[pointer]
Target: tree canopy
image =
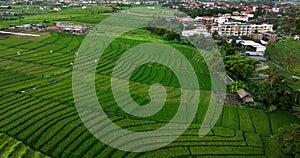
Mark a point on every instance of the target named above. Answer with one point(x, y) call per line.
point(239, 67)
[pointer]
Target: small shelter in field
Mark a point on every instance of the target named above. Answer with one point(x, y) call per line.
point(245, 96)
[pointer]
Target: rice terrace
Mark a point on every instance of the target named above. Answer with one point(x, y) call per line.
point(38, 116)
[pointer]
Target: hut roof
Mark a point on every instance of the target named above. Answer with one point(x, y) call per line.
point(242, 93)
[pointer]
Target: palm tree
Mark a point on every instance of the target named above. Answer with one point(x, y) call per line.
point(273, 76)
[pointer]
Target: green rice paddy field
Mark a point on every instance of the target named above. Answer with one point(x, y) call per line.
point(39, 119)
point(286, 54)
point(91, 16)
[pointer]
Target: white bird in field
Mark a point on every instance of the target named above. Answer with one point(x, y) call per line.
point(18, 53)
point(71, 63)
point(51, 51)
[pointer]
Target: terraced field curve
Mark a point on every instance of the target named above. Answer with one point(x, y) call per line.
point(38, 116)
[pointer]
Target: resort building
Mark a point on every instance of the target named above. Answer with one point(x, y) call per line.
point(240, 29)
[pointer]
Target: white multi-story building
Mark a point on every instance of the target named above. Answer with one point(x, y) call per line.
point(263, 28)
point(239, 29)
point(222, 18)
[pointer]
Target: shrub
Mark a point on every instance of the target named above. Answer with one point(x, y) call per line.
point(289, 139)
point(235, 86)
point(296, 111)
point(258, 105)
point(272, 108)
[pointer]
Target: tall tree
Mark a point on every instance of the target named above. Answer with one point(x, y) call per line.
point(274, 90)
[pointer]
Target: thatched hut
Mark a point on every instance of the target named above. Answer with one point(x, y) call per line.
point(245, 96)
